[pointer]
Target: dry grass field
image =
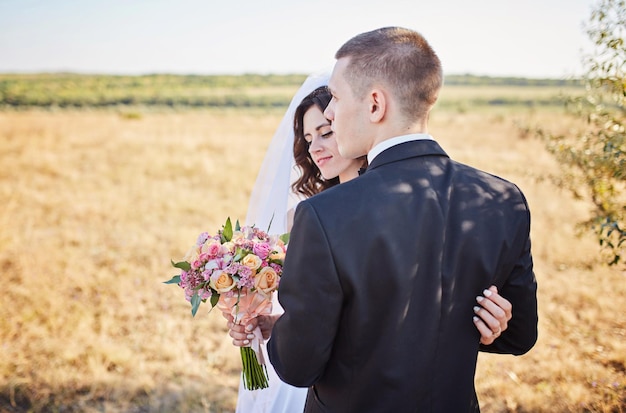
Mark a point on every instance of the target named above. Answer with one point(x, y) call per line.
point(94, 205)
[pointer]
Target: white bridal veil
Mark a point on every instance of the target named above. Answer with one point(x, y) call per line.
point(271, 195)
point(270, 201)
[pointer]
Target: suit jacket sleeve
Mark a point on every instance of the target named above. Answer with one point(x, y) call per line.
point(311, 295)
point(520, 288)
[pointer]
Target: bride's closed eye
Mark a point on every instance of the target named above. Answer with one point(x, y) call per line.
point(325, 131)
point(308, 139)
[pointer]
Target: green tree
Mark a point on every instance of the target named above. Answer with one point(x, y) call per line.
point(594, 159)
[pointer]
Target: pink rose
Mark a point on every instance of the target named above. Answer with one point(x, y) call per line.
point(212, 248)
point(262, 249)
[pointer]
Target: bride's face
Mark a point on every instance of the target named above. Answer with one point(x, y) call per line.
point(323, 147)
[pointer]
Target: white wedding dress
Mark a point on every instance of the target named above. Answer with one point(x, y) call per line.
point(279, 397)
point(268, 209)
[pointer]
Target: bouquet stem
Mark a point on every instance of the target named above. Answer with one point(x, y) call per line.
point(254, 374)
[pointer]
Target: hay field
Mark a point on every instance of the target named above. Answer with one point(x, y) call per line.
point(94, 205)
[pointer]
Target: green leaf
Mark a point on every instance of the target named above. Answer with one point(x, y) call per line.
point(227, 233)
point(214, 299)
point(195, 303)
point(239, 254)
point(237, 226)
point(175, 280)
point(183, 265)
point(285, 238)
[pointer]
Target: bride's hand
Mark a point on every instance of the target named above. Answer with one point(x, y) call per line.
point(492, 315)
point(242, 334)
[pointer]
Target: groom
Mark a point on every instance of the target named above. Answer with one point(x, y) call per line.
point(382, 271)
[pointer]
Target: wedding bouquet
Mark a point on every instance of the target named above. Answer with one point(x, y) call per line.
point(237, 271)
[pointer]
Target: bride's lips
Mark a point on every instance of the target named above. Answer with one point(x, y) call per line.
point(322, 160)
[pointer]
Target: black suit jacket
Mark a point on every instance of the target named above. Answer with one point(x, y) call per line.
point(381, 276)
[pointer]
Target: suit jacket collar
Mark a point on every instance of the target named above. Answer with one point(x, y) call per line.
point(406, 150)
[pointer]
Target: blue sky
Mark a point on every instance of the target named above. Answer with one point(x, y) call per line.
point(532, 38)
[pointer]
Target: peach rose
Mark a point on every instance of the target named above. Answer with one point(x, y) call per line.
point(252, 261)
point(221, 281)
point(277, 255)
point(266, 280)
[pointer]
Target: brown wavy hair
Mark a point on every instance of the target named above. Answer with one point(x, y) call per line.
point(311, 181)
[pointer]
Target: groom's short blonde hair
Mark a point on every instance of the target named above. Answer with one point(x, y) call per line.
point(397, 57)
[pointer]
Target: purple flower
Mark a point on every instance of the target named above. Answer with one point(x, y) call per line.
point(232, 268)
point(202, 238)
point(205, 293)
point(246, 281)
point(245, 271)
point(277, 268)
point(213, 265)
point(206, 274)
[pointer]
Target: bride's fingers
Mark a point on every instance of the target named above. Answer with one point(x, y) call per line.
point(492, 322)
point(497, 307)
point(486, 334)
point(504, 304)
point(236, 329)
point(240, 336)
point(492, 309)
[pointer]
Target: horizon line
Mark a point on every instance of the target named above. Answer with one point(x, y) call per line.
point(260, 73)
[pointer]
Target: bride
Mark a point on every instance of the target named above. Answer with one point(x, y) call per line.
point(302, 160)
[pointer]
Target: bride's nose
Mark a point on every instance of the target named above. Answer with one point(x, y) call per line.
point(315, 145)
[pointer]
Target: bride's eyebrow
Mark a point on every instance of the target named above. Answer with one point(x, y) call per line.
point(322, 125)
point(317, 129)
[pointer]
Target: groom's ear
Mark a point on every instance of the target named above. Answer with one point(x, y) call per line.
point(377, 105)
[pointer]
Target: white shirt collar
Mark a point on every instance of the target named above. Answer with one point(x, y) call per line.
point(386, 144)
